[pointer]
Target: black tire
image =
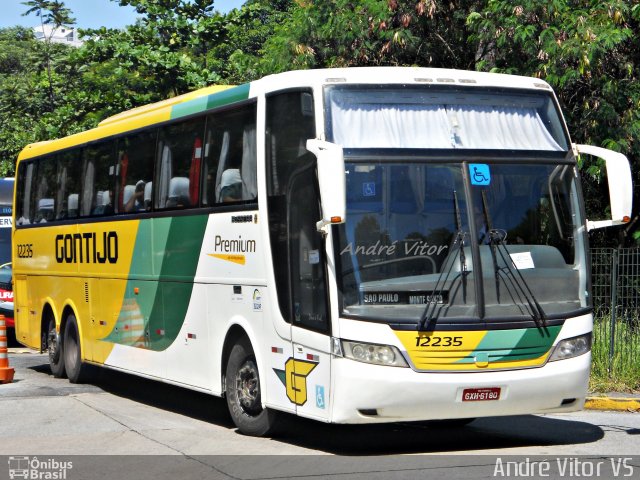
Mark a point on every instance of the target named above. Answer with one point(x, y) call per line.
point(56, 350)
point(76, 370)
point(243, 393)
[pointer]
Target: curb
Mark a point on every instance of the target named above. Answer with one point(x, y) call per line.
point(625, 404)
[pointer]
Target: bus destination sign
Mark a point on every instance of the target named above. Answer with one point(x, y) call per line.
point(405, 298)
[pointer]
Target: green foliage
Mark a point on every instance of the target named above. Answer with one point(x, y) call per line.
point(619, 371)
point(343, 33)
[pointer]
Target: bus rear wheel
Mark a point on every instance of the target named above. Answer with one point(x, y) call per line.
point(55, 350)
point(243, 393)
point(76, 370)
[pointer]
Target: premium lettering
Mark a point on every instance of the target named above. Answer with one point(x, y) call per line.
point(89, 247)
point(234, 246)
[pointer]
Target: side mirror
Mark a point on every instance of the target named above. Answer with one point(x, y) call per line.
point(620, 185)
point(332, 182)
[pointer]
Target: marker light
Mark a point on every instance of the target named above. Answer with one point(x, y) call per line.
point(572, 347)
point(372, 353)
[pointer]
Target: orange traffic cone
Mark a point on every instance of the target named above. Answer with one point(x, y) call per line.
point(6, 372)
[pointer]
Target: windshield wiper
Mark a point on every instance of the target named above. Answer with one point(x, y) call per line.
point(497, 242)
point(427, 315)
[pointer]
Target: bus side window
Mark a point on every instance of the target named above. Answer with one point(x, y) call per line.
point(230, 166)
point(98, 177)
point(24, 214)
point(45, 190)
point(179, 164)
point(134, 170)
point(68, 184)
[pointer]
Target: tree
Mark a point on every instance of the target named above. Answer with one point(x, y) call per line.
point(237, 53)
point(52, 13)
point(343, 33)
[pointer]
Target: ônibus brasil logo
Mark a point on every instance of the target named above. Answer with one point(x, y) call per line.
point(36, 469)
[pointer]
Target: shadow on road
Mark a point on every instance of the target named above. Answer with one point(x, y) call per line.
point(386, 439)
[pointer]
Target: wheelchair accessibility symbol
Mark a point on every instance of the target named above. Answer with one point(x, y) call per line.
point(479, 173)
point(320, 396)
point(368, 189)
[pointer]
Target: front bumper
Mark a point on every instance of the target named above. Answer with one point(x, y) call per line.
point(365, 393)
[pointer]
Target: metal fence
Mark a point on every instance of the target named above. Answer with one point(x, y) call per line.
point(616, 298)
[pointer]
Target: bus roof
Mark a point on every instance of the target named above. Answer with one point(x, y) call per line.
point(192, 102)
point(220, 95)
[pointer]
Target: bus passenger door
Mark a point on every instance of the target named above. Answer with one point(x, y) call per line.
point(309, 376)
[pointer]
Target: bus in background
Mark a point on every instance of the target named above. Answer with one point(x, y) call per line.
point(359, 245)
point(6, 216)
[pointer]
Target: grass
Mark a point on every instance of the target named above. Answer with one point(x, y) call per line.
point(621, 373)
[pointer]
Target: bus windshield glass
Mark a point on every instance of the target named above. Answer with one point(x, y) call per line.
point(414, 242)
point(437, 118)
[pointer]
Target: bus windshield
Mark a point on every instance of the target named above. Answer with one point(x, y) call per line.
point(417, 232)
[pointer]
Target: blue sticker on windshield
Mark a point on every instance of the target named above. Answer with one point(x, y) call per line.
point(480, 174)
point(368, 189)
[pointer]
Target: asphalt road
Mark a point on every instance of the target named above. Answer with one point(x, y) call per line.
point(119, 414)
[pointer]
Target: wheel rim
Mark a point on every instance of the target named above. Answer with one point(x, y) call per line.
point(53, 344)
point(248, 388)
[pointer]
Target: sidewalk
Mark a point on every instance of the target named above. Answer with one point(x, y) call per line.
point(626, 402)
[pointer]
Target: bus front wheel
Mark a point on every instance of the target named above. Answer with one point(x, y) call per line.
point(54, 348)
point(243, 393)
point(76, 370)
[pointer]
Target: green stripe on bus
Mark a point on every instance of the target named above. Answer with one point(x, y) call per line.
point(534, 343)
point(152, 317)
point(189, 108)
point(180, 262)
point(528, 343)
point(236, 94)
point(197, 105)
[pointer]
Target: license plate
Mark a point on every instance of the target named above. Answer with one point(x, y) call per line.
point(480, 394)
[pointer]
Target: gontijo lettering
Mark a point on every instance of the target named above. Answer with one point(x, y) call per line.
point(88, 247)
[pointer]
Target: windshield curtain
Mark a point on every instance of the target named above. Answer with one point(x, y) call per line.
point(411, 238)
point(439, 118)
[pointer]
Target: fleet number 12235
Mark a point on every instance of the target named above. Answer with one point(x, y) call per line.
point(433, 341)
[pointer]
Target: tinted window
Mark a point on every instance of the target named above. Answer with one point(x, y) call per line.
point(23, 196)
point(293, 201)
point(98, 175)
point(180, 163)
point(135, 171)
point(45, 193)
point(68, 185)
point(230, 157)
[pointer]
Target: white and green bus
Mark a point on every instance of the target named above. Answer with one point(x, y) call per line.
point(351, 245)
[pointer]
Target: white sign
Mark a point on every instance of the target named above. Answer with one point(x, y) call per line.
point(522, 260)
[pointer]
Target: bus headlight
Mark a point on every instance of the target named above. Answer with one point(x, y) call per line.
point(572, 347)
point(372, 353)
